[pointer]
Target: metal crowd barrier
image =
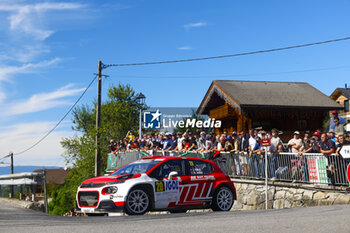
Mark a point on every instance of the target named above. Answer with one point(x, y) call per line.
point(314, 168)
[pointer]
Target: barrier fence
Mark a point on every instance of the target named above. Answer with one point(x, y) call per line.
point(314, 168)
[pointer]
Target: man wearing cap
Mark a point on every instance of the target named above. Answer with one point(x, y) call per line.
point(228, 143)
point(295, 143)
point(203, 146)
point(315, 141)
point(342, 121)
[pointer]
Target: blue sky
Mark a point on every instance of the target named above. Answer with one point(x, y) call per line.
point(49, 52)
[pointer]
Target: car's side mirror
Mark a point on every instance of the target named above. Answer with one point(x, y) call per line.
point(171, 174)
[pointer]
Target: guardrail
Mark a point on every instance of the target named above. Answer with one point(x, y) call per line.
point(314, 168)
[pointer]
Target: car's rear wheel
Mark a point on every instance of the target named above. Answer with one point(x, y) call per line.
point(222, 199)
point(137, 202)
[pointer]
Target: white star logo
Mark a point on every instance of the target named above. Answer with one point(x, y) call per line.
point(156, 115)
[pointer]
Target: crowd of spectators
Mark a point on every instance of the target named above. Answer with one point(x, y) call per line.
point(248, 158)
point(249, 142)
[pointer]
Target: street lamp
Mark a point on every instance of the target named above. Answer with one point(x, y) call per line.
point(140, 98)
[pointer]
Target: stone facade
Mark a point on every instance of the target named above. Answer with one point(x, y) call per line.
point(251, 195)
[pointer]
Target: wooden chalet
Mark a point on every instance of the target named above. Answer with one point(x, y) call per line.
point(287, 106)
point(342, 97)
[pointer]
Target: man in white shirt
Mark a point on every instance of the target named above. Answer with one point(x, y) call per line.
point(295, 143)
point(180, 138)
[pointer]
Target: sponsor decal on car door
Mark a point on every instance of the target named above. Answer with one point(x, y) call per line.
point(196, 185)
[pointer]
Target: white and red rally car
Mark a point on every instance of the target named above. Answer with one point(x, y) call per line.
point(176, 184)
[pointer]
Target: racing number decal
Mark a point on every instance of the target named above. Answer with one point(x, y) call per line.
point(162, 186)
point(159, 186)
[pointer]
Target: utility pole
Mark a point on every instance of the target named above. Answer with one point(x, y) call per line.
point(12, 192)
point(98, 122)
point(45, 193)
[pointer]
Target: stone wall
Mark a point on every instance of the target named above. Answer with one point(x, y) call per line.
point(251, 195)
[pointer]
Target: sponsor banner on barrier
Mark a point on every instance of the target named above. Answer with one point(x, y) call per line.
point(317, 170)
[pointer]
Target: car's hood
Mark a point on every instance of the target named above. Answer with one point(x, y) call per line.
point(109, 179)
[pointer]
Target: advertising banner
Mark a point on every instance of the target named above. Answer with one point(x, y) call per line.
point(317, 166)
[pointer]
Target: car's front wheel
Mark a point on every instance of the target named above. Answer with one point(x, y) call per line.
point(222, 199)
point(137, 202)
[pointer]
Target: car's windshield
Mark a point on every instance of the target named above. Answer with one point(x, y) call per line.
point(137, 167)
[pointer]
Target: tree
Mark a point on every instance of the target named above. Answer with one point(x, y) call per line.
point(119, 114)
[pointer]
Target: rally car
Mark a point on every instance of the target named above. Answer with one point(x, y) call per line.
point(175, 184)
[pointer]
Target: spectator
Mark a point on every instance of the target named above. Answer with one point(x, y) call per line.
point(342, 121)
point(112, 147)
point(307, 146)
point(338, 128)
point(235, 167)
point(235, 142)
point(331, 136)
point(198, 142)
point(252, 140)
point(180, 139)
point(272, 158)
point(343, 163)
point(215, 142)
point(243, 144)
point(130, 135)
point(209, 141)
point(253, 160)
point(167, 142)
point(228, 143)
point(316, 141)
point(295, 143)
point(221, 143)
point(260, 153)
point(275, 140)
point(203, 146)
point(159, 142)
point(192, 142)
point(327, 147)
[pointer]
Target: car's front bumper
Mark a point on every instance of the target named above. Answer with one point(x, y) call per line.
point(104, 206)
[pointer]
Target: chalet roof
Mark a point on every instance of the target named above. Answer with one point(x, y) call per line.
point(245, 94)
point(344, 91)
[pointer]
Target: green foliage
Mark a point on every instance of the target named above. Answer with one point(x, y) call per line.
point(119, 114)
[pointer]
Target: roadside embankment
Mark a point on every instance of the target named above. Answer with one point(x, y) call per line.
point(251, 195)
point(24, 204)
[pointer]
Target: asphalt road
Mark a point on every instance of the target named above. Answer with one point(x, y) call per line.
point(314, 219)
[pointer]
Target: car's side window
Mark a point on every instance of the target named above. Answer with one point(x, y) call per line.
point(163, 170)
point(198, 167)
point(170, 166)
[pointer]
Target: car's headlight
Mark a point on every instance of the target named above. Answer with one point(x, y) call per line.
point(110, 190)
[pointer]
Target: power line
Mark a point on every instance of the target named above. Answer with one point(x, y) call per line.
point(58, 123)
point(229, 55)
point(231, 75)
